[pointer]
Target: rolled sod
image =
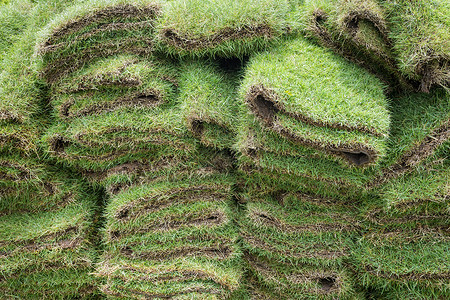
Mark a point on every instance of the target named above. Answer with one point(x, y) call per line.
point(208, 101)
point(407, 264)
point(115, 83)
point(418, 199)
point(93, 29)
point(30, 186)
point(49, 254)
point(356, 30)
point(320, 102)
point(172, 239)
point(201, 163)
point(419, 133)
point(221, 28)
point(299, 281)
point(296, 244)
point(421, 40)
point(100, 142)
point(297, 228)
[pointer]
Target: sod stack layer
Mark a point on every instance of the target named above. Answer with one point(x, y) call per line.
point(95, 29)
point(48, 254)
point(419, 132)
point(172, 239)
point(316, 100)
point(356, 30)
point(420, 31)
point(296, 244)
point(232, 28)
point(208, 101)
point(117, 110)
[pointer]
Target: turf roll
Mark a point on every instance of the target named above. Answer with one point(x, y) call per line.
point(93, 29)
point(296, 244)
point(221, 28)
point(356, 30)
point(420, 34)
point(410, 264)
point(48, 254)
point(419, 132)
point(172, 239)
point(321, 102)
point(208, 101)
point(120, 82)
point(117, 110)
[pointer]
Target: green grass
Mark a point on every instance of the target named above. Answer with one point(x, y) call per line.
point(419, 131)
point(295, 228)
point(220, 28)
point(420, 32)
point(309, 95)
point(48, 254)
point(115, 83)
point(358, 31)
point(208, 101)
point(172, 238)
point(101, 142)
point(407, 265)
point(93, 29)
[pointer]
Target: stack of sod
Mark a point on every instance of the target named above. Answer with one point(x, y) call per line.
point(308, 112)
point(201, 163)
point(45, 248)
point(94, 29)
point(420, 31)
point(358, 31)
point(172, 239)
point(420, 129)
point(400, 264)
point(208, 101)
point(296, 244)
point(117, 110)
point(232, 28)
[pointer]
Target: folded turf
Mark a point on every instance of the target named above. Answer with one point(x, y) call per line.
point(419, 133)
point(116, 83)
point(94, 29)
point(296, 244)
point(358, 31)
point(208, 101)
point(172, 239)
point(420, 34)
point(48, 254)
point(320, 102)
point(221, 28)
point(404, 264)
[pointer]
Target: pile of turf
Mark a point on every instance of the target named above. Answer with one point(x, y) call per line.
point(172, 239)
point(117, 110)
point(46, 249)
point(296, 244)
